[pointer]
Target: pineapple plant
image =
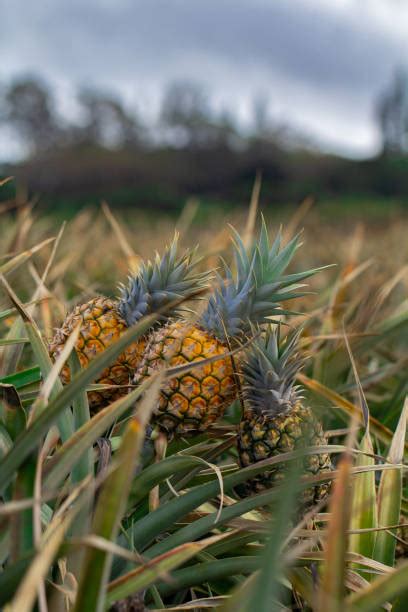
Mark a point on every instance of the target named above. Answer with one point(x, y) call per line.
point(103, 320)
point(272, 561)
point(192, 402)
point(275, 419)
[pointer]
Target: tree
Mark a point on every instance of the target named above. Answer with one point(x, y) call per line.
point(189, 121)
point(107, 123)
point(28, 107)
point(392, 114)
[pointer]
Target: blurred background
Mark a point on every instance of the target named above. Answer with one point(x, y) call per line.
point(149, 103)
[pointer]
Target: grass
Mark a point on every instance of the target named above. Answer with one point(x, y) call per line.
point(76, 532)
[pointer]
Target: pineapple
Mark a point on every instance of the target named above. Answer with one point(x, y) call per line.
point(103, 320)
point(192, 402)
point(275, 419)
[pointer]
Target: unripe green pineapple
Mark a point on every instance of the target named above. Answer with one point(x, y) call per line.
point(191, 402)
point(275, 419)
point(103, 320)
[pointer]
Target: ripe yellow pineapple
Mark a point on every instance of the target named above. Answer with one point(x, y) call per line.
point(103, 320)
point(193, 401)
point(275, 419)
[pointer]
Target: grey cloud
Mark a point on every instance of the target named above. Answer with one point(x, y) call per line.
point(297, 39)
point(293, 45)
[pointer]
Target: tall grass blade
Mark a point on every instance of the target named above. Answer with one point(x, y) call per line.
point(82, 468)
point(364, 503)
point(23, 378)
point(332, 590)
point(26, 594)
point(165, 516)
point(5, 441)
point(111, 504)
point(80, 408)
point(21, 523)
point(390, 495)
point(40, 351)
point(209, 571)
point(18, 260)
point(378, 429)
point(11, 410)
point(29, 439)
point(145, 575)
point(266, 589)
point(380, 591)
point(66, 457)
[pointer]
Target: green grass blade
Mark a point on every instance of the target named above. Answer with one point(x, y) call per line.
point(11, 577)
point(30, 438)
point(111, 504)
point(65, 423)
point(83, 467)
point(11, 355)
point(378, 429)
point(390, 495)
point(5, 314)
point(380, 591)
point(147, 574)
point(240, 599)
point(12, 341)
point(364, 503)
point(80, 408)
point(6, 442)
point(64, 460)
point(40, 350)
point(201, 573)
point(158, 472)
point(13, 414)
point(24, 378)
point(165, 516)
point(21, 258)
point(26, 593)
point(332, 588)
point(21, 523)
point(267, 585)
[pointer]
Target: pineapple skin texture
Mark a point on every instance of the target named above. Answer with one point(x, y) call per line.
point(263, 437)
point(192, 401)
point(101, 326)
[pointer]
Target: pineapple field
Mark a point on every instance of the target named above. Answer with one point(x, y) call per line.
point(203, 413)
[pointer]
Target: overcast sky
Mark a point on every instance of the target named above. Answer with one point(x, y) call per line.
point(321, 63)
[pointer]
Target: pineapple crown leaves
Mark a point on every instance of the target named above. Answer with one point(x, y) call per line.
point(227, 307)
point(165, 279)
point(255, 292)
point(269, 371)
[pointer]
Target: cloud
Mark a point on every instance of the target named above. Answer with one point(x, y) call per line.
point(322, 64)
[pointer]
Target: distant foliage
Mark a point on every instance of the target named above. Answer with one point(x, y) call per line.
point(392, 113)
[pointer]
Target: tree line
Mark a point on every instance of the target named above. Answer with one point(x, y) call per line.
point(186, 120)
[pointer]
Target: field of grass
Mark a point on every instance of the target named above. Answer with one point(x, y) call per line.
point(94, 516)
